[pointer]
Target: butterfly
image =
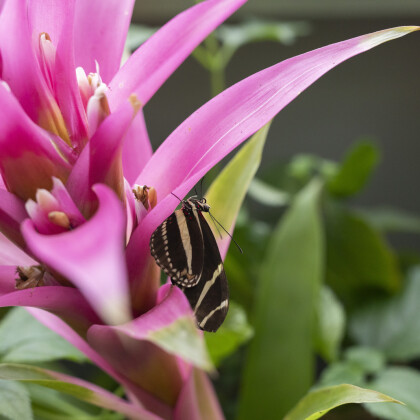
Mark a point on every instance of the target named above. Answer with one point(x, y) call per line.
point(185, 248)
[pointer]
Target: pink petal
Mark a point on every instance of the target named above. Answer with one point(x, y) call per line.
point(28, 158)
point(142, 346)
point(137, 149)
point(149, 367)
point(59, 300)
point(100, 36)
point(211, 132)
point(12, 213)
point(154, 61)
point(171, 305)
point(66, 203)
point(197, 400)
point(7, 278)
point(2, 184)
point(10, 254)
point(100, 161)
point(144, 282)
point(20, 68)
point(57, 20)
point(91, 256)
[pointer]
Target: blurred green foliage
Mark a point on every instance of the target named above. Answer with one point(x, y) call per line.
point(366, 313)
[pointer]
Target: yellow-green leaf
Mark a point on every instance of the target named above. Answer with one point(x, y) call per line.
point(317, 403)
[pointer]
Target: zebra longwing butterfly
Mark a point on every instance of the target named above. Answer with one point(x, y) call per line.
point(185, 248)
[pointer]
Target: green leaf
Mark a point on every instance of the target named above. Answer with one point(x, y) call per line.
point(50, 402)
point(341, 373)
point(317, 403)
point(355, 170)
point(391, 219)
point(228, 190)
point(303, 167)
point(14, 401)
point(358, 258)
point(330, 325)
point(234, 331)
point(34, 342)
point(72, 386)
point(279, 367)
point(182, 339)
point(392, 325)
point(402, 383)
point(259, 30)
point(368, 359)
point(357, 364)
point(267, 194)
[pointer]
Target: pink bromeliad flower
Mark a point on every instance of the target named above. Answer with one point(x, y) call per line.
point(73, 144)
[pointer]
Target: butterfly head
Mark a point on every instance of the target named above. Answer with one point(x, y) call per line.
point(199, 204)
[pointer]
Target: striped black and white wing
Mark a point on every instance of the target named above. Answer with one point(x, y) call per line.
point(177, 247)
point(209, 299)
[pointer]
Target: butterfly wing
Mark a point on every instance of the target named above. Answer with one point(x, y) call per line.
point(177, 247)
point(209, 299)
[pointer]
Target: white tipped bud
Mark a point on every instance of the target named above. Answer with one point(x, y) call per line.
point(46, 201)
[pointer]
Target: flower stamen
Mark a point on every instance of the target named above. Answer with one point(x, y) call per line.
point(145, 200)
point(97, 108)
point(145, 195)
point(59, 218)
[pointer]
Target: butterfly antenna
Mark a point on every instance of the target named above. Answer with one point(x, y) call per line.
point(217, 227)
point(231, 237)
point(181, 201)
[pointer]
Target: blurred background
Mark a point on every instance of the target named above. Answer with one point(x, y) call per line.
point(374, 96)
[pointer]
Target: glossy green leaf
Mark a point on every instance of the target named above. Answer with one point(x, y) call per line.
point(72, 386)
point(14, 401)
point(330, 325)
point(24, 339)
point(279, 367)
point(358, 258)
point(317, 403)
point(228, 190)
point(392, 325)
point(355, 170)
point(234, 331)
point(402, 383)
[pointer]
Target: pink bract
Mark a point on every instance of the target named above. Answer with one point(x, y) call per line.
point(74, 142)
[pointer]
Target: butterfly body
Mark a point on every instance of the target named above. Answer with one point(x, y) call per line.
point(185, 248)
